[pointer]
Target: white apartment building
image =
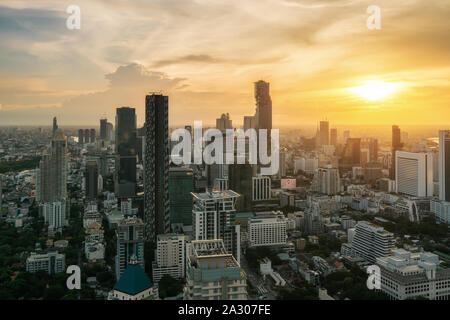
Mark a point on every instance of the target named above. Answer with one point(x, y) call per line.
point(212, 273)
point(414, 173)
point(170, 255)
point(213, 217)
point(261, 188)
point(52, 262)
point(372, 241)
point(441, 210)
point(54, 214)
point(406, 275)
point(267, 229)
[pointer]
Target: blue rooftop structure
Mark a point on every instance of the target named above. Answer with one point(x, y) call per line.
point(133, 280)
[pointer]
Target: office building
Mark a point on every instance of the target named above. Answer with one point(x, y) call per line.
point(249, 122)
point(373, 150)
point(324, 134)
point(326, 181)
point(406, 275)
point(224, 122)
point(87, 136)
point(240, 180)
point(55, 125)
point(130, 243)
point(91, 180)
point(267, 229)
point(372, 241)
point(351, 155)
point(263, 115)
point(80, 136)
point(156, 167)
point(213, 217)
point(125, 174)
point(396, 146)
point(52, 262)
point(181, 184)
point(212, 273)
point(103, 129)
point(52, 174)
point(262, 188)
point(333, 137)
point(414, 174)
point(170, 257)
point(444, 165)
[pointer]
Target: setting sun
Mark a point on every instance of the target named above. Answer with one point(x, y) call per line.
point(374, 90)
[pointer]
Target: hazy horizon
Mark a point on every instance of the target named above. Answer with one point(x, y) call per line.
point(317, 55)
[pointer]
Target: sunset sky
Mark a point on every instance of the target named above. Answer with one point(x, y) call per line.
point(318, 56)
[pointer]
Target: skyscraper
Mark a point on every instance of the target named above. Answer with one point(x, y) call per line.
point(373, 150)
point(333, 137)
point(351, 155)
point(91, 180)
point(181, 184)
point(444, 165)
point(125, 175)
point(324, 133)
point(241, 180)
point(92, 135)
point(396, 145)
point(103, 129)
point(263, 114)
point(55, 125)
point(87, 134)
point(52, 174)
point(156, 167)
point(80, 136)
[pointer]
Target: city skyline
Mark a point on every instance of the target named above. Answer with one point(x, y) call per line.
point(326, 63)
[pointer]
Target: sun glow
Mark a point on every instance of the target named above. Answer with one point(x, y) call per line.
point(374, 90)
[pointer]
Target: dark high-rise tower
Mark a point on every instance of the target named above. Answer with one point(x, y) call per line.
point(373, 149)
point(91, 180)
point(103, 129)
point(396, 145)
point(92, 135)
point(80, 136)
point(87, 134)
point(324, 133)
point(55, 125)
point(333, 137)
point(156, 167)
point(125, 175)
point(263, 114)
point(351, 155)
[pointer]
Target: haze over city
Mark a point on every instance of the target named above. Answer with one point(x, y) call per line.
point(319, 57)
